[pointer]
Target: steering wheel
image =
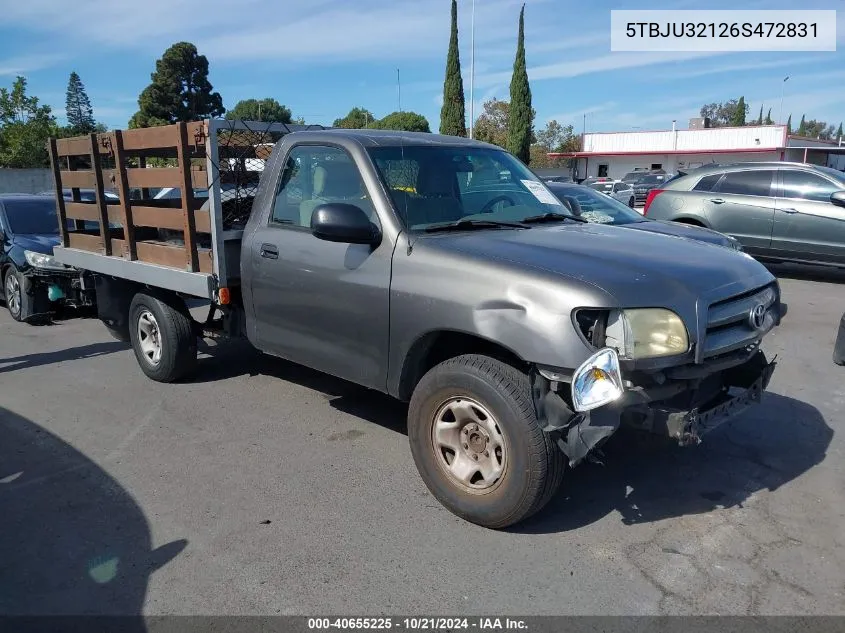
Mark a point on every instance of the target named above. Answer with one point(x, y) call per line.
point(488, 208)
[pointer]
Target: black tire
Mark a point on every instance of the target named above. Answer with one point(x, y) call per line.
point(175, 334)
point(534, 466)
point(22, 308)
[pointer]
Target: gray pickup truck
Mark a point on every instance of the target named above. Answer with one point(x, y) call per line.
point(443, 272)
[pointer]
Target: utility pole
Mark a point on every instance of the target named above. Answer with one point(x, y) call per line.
point(782, 85)
point(472, 74)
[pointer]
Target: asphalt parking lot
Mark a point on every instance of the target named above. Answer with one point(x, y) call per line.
point(263, 488)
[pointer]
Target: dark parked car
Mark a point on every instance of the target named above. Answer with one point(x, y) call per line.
point(646, 183)
point(32, 281)
point(595, 207)
point(839, 346)
point(778, 211)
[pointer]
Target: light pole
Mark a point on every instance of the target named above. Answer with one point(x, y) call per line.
point(782, 85)
point(472, 72)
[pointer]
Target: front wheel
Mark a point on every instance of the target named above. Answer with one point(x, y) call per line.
point(477, 443)
point(163, 337)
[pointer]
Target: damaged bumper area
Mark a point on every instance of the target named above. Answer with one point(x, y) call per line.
point(683, 404)
point(51, 286)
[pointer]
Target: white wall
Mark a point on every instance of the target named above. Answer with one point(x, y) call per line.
point(618, 166)
point(727, 138)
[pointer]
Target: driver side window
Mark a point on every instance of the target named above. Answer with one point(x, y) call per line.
point(314, 176)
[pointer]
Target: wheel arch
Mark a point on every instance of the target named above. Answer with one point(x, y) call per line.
point(436, 346)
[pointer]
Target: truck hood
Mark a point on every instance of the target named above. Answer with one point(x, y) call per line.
point(37, 243)
point(681, 230)
point(637, 268)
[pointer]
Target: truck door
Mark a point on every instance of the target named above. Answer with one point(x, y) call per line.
point(807, 225)
point(318, 303)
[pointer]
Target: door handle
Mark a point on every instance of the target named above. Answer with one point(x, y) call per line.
point(717, 200)
point(790, 210)
point(270, 251)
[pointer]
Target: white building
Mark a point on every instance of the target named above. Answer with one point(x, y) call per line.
point(615, 154)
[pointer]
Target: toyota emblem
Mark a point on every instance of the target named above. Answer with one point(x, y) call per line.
point(757, 316)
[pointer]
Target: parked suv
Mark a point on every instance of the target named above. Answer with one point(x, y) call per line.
point(647, 183)
point(778, 211)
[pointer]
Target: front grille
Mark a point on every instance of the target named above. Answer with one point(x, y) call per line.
point(730, 325)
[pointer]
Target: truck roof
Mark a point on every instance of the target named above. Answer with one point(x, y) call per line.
point(392, 138)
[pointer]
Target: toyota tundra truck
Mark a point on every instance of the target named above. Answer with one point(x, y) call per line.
point(436, 269)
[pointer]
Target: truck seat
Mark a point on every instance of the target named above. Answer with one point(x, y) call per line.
point(334, 181)
point(436, 200)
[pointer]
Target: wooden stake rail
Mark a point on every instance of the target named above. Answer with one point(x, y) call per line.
point(118, 161)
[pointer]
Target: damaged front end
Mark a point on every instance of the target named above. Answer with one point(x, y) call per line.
point(683, 404)
point(49, 287)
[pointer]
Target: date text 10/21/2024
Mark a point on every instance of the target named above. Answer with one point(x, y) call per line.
point(418, 624)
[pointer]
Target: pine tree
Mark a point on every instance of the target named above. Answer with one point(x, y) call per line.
point(80, 114)
point(738, 119)
point(760, 118)
point(789, 125)
point(520, 116)
point(839, 133)
point(452, 115)
point(769, 117)
point(802, 127)
point(180, 90)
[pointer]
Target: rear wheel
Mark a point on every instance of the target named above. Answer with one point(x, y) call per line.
point(477, 443)
point(163, 337)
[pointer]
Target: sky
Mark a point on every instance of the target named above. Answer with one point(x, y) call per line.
point(322, 57)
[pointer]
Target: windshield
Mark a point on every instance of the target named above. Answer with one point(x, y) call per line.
point(32, 217)
point(604, 187)
point(595, 207)
point(435, 184)
point(650, 180)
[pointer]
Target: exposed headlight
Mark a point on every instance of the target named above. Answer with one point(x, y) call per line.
point(40, 260)
point(646, 333)
point(597, 381)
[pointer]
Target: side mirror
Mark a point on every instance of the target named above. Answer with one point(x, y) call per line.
point(339, 222)
point(838, 198)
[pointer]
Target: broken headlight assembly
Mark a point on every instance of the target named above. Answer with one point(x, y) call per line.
point(597, 382)
point(42, 260)
point(646, 333)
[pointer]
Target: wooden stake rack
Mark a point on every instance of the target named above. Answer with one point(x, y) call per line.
point(129, 228)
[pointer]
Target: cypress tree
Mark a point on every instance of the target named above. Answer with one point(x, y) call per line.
point(769, 117)
point(738, 119)
point(521, 113)
point(789, 125)
point(760, 118)
point(452, 117)
point(802, 127)
point(839, 131)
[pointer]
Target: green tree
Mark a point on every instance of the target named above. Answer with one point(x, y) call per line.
point(819, 129)
point(520, 116)
point(452, 114)
point(260, 110)
point(407, 121)
point(491, 126)
point(839, 132)
point(25, 127)
point(80, 114)
point(739, 114)
point(789, 125)
point(769, 117)
point(180, 90)
point(759, 120)
point(554, 138)
point(356, 119)
point(722, 114)
point(802, 127)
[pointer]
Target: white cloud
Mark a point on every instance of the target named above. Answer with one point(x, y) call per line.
point(577, 115)
point(740, 67)
point(27, 63)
